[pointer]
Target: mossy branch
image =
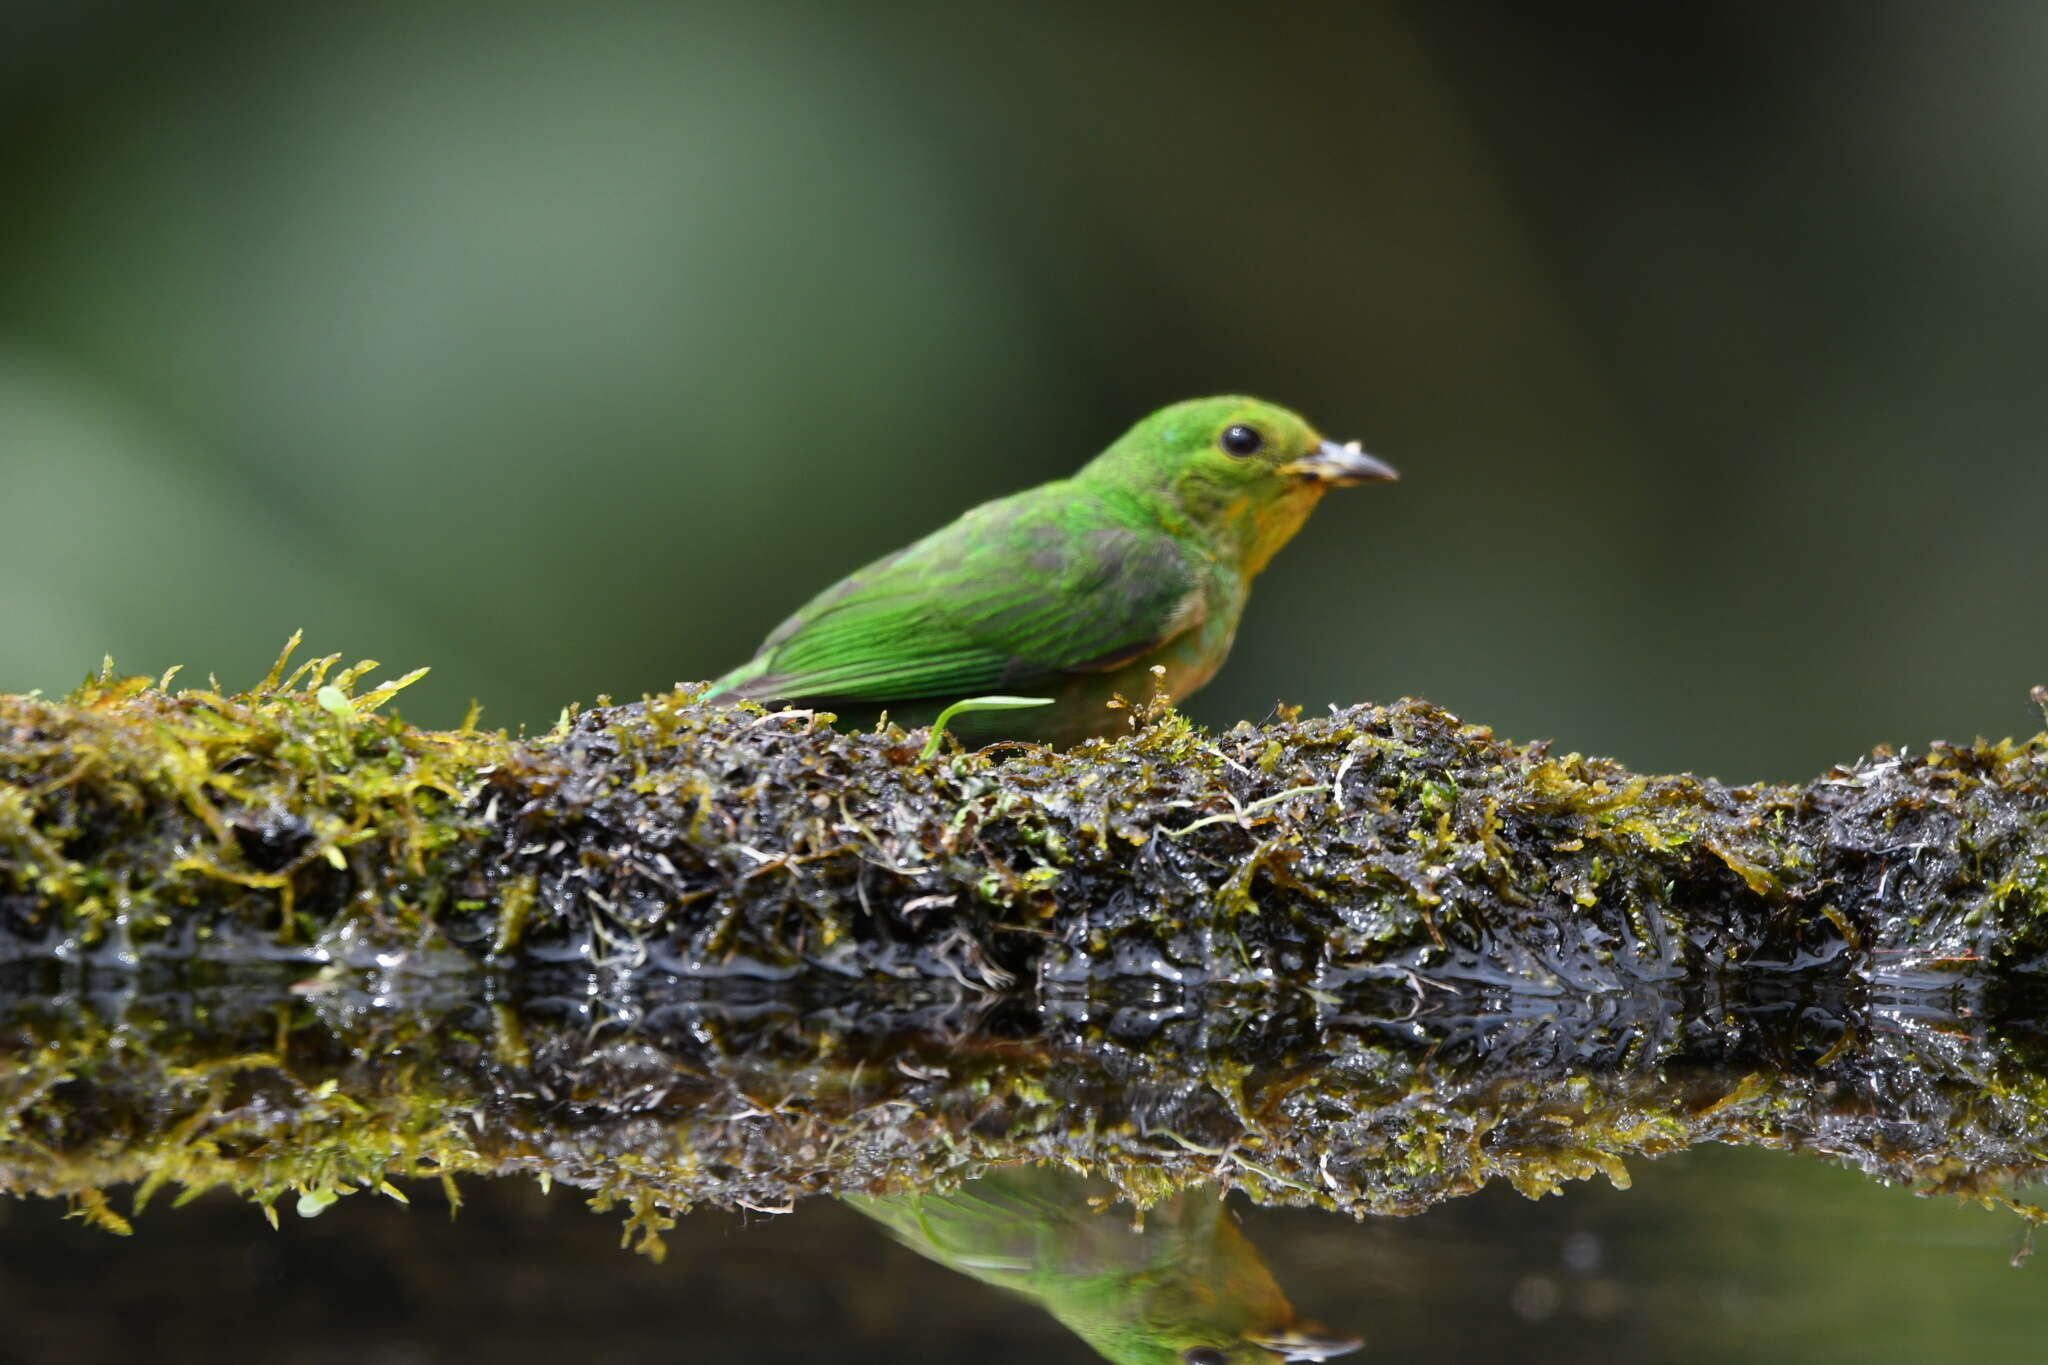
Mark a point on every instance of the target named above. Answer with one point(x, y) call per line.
point(299, 821)
point(504, 953)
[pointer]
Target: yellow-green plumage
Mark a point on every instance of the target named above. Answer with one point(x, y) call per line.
point(1073, 590)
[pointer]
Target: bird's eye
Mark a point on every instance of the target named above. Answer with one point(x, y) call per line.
point(1204, 1355)
point(1238, 440)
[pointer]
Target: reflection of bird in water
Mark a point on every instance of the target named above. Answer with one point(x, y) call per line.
point(1183, 1288)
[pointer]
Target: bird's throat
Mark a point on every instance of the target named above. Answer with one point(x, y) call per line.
point(1261, 526)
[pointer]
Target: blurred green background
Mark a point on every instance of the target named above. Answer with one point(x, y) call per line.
point(566, 348)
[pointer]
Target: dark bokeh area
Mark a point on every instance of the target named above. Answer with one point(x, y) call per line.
point(566, 348)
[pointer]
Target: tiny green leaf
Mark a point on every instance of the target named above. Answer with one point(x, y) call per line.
point(384, 692)
point(313, 1203)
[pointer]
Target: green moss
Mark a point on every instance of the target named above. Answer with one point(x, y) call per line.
point(1353, 918)
point(295, 1100)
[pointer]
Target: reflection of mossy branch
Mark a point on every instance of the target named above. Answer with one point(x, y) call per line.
point(1322, 878)
point(1387, 1102)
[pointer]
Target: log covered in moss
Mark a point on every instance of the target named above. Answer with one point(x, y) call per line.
point(283, 942)
point(693, 841)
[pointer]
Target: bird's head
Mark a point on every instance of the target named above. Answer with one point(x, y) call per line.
point(1240, 472)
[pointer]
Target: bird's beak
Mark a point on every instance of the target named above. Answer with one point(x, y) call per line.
point(1336, 464)
point(1308, 1343)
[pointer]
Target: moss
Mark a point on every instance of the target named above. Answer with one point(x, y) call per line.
point(207, 817)
point(680, 954)
point(1386, 1106)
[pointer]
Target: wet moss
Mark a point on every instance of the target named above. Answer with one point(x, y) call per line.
point(657, 1100)
point(1367, 959)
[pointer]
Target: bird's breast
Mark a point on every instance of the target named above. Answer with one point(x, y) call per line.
point(1192, 656)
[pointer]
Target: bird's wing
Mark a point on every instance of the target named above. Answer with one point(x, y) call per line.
point(1017, 592)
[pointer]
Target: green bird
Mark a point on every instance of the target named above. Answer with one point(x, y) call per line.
point(1071, 592)
point(1184, 1287)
